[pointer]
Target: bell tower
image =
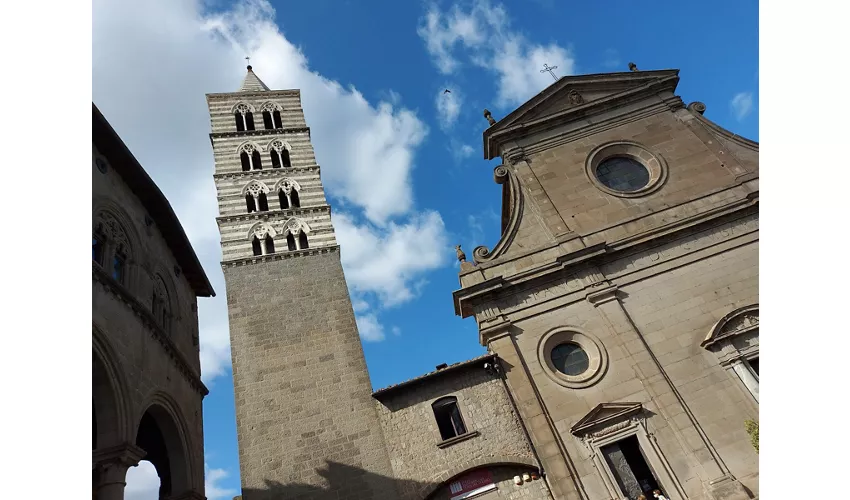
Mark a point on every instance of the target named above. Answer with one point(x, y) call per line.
point(305, 417)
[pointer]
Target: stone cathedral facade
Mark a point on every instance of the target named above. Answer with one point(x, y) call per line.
point(619, 308)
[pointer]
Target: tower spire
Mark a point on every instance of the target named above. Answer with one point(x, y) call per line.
point(251, 82)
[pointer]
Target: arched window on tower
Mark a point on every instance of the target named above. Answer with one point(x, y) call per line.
point(296, 234)
point(244, 117)
point(256, 196)
point(279, 154)
point(249, 155)
point(287, 193)
point(267, 120)
point(262, 239)
point(278, 123)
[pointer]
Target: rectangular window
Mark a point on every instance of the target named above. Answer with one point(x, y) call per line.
point(118, 268)
point(754, 364)
point(97, 250)
point(448, 418)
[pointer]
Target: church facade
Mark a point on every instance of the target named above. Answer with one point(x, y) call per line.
point(619, 308)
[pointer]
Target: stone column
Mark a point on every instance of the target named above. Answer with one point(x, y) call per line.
point(110, 469)
point(746, 377)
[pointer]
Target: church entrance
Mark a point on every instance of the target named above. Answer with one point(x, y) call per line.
point(630, 468)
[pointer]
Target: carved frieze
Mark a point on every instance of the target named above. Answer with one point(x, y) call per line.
point(684, 246)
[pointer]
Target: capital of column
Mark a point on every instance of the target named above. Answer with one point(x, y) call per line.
point(599, 297)
point(126, 454)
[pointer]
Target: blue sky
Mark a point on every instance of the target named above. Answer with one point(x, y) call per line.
point(402, 161)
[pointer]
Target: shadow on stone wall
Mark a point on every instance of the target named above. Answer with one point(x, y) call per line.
point(343, 482)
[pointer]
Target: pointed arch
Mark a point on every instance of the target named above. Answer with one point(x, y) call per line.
point(161, 430)
point(243, 113)
point(114, 242)
point(279, 152)
point(296, 231)
point(242, 107)
point(249, 156)
point(261, 229)
point(255, 187)
point(112, 414)
point(288, 193)
point(271, 115)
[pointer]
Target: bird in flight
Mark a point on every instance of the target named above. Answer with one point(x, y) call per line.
point(447, 91)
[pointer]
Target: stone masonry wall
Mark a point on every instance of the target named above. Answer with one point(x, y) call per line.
point(412, 434)
point(303, 395)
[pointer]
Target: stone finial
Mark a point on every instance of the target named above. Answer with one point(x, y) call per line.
point(489, 117)
point(633, 66)
point(461, 257)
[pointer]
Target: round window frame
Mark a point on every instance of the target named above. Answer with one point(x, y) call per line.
point(596, 354)
point(654, 163)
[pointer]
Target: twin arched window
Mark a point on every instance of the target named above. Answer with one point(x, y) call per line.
point(256, 195)
point(262, 237)
point(244, 116)
point(110, 246)
point(251, 159)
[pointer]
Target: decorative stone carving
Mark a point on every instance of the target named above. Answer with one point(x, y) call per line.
point(633, 67)
point(242, 108)
point(287, 185)
point(278, 145)
point(461, 257)
point(254, 188)
point(247, 148)
point(500, 174)
point(575, 98)
point(261, 230)
point(270, 107)
point(294, 226)
point(739, 321)
point(697, 107)
point(108, 226)
point(489, 117)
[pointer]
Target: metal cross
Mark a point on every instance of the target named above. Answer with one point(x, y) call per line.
point(249, 60)
point(547, 68)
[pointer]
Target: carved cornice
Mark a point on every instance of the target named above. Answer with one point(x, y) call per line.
point(289, 254)
point(271, 214)
point(99, 275)
point(269, 94)
point(268, 172)
point(260, 132)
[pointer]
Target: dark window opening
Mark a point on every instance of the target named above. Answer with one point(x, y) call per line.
point(252, 205)
point(290, 242)
point(275, 159)
point(118, 267)
point(284, 158)
point(269, 244)
point(754, 364)
point(267, 120)
point(302, 241)
point(256, 160)
point(240, 122)
point(255, 244)
point(622, 174)
point(626, 460)
point(246, 161)
point(249, 121)
point(264, 202)
point(296, 201)
point(97, 250)
point(278, 123)
point(570, 359)
point(448, 418)
point(284, 203)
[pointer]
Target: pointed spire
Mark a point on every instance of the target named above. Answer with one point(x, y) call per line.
point(252, 82)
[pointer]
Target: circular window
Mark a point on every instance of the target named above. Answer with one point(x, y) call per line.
point(101, 165)
point(625, 169)
point(622, 174)
point(570, 359)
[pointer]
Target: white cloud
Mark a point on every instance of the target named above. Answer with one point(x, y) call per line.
point(448, 106)
point(142, 482)
point(396, 331)
point(742, 105)
point(483, 32)
point(387, 262)
point(371, 330)
point(211, 486)
point(149, 80)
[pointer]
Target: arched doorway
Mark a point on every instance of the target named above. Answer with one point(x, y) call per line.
point(159, 435)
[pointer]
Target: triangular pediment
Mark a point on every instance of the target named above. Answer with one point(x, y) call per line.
point(583, 95)
point(605, 414)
